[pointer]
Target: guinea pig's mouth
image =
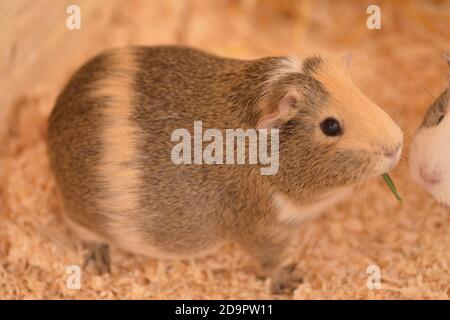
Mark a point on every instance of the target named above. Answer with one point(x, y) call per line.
point(393, 163)
point(386, 164)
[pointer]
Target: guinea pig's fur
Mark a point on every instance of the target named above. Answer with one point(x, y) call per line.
point(430, 149)
point(109, 143)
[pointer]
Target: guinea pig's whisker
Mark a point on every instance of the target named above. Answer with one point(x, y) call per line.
point(426, 90)
point(404, 155)
point(408, 132)
point(408, 135)
point(401, 114)
point(420, 84)
point(408, 76)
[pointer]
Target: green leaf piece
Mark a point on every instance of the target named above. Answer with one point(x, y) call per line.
point(391, 186)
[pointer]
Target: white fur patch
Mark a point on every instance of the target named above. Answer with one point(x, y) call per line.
point(286, 65)
point(291, 212)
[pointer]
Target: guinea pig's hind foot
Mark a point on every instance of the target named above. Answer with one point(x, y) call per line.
point(286, 280)
point(98, 256)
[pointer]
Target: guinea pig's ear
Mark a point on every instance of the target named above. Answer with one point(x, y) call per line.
point(285, 109)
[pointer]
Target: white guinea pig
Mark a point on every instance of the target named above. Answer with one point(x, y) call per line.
point(430, 149)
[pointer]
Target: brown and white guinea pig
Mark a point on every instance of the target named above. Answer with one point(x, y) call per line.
point(109, 143)
point(430, 149)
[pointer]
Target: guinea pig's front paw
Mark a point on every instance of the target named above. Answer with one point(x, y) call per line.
point(99, 257)
point(285, 280)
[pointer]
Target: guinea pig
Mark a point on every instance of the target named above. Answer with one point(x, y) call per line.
point(110, 143)
point(430, 149)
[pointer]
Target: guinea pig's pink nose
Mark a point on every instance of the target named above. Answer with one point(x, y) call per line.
point(429, 177)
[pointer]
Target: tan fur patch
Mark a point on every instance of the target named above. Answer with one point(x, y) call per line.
point(120, 179)
point(366, 126)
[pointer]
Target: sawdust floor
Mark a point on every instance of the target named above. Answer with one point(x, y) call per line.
point(399, 67)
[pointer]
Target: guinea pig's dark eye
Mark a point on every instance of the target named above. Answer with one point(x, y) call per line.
point(331, 127)
point(440, 119)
